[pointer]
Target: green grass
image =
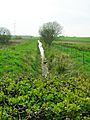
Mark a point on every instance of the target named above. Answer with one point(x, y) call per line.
point(75, 47)
point(78, 45)
point(25, 94)
point(81, 43)
point(19, 59)
point(83, 39)
point(81, 63)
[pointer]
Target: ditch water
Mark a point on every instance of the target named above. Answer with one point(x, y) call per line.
point(44, 63)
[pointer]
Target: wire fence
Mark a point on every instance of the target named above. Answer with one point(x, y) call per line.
point(81, 55)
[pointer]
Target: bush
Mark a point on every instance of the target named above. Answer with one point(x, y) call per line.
point(36, 99)
point(5, 35)
point(49, 32)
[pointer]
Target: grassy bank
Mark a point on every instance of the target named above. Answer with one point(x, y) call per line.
point(19, 59)
point(78, 49)
point(26, 95)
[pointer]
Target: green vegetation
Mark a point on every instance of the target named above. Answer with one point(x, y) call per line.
point(82, 39)
point(81, 58)
point(26, 95)
point(5, 35)
point(28, 98)
point(78, 50)
point(20, 37)
point(19, 58)
point(74, 44)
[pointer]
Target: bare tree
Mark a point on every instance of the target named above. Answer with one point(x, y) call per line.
point(49, 32)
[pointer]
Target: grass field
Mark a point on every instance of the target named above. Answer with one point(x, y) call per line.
point(82, 39)
point(74, 44)
point(81, 43)
point(18, 58)
point(78, 49)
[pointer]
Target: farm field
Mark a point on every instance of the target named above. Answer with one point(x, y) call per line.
point(78, 39)
point(78, 50)
point(74, 44)
point(77, 42)
point(25, 94)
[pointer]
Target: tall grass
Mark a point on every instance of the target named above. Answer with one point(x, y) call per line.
point(19, 59)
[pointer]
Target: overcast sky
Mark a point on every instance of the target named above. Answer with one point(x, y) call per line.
point(28, 15)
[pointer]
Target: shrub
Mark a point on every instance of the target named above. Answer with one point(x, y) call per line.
point(49, 32)
point(5, 35)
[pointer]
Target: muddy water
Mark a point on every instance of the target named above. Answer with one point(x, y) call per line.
point(44, 63)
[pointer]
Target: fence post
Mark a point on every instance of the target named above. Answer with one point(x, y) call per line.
point(82, 56)
point(62, 48)
point(71, 51)
point(67, 49)
point(76, 53)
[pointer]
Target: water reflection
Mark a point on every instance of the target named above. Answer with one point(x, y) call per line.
point(44, 63)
